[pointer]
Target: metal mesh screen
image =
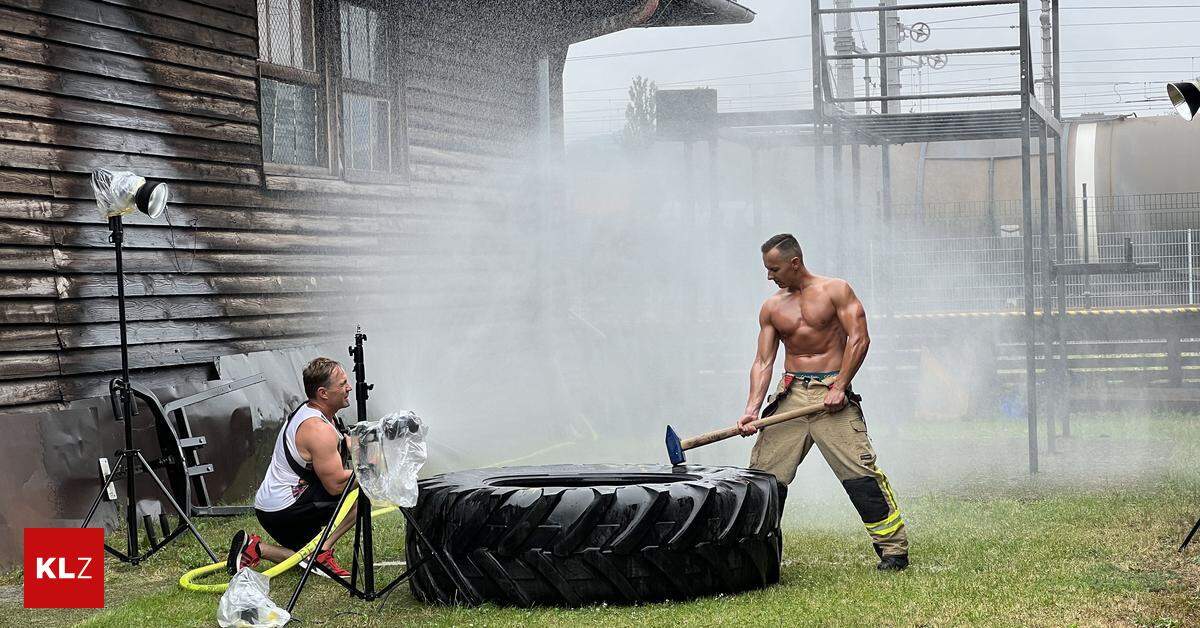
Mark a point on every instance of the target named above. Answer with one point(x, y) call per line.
point(366, 129)
point(285, 33)
point(290, 123)
point(362, 44)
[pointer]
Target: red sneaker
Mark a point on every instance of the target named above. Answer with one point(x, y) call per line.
point(325, 559)
point(243, 552)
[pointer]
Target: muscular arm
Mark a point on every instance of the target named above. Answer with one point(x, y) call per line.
point(320, 442)
point(764, 360)
point(854, 320)
point(760, 370)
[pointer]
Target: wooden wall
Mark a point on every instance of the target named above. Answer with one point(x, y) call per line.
point(168, 88)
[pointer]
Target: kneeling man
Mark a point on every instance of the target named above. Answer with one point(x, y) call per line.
point(305, 478)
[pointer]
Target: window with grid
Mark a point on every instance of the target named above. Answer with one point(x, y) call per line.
point(330, 89)
point(368, 90)
point(292, 85)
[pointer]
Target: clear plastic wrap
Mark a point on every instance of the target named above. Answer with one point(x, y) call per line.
point(115, 191)
point(387, 456)
point(247, 603)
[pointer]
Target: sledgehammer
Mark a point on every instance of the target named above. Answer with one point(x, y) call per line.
point(676, 447)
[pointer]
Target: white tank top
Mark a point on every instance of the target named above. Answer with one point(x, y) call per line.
point(281, 487)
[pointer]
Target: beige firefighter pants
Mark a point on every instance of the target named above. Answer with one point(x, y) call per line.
point(842, 438)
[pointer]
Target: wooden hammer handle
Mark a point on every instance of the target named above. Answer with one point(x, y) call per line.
point(730, 432)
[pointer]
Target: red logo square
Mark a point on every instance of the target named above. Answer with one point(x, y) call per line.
point(64, 568)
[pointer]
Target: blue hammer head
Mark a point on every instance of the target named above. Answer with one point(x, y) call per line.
point(674, 448)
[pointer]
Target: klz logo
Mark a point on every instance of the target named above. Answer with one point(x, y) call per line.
point(64, 568)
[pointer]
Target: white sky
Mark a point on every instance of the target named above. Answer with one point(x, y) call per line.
point(1116, 55)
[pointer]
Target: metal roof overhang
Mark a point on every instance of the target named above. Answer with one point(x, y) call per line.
point(699, 13)
point(611, 16)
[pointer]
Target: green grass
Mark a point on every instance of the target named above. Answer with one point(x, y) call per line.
point(1091, 541)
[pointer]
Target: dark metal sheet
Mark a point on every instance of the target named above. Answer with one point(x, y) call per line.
point(48, 460)
point(48, 472)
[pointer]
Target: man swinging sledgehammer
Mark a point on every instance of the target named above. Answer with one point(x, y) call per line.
point(823, 328)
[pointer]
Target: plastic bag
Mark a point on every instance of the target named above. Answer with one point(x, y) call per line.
point(387, 455)
point(115, 191)
point(247, 603)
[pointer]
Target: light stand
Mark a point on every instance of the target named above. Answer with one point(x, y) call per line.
point(1188, 539)
point(363, 539)
point(130, 456)
point(1185, 98)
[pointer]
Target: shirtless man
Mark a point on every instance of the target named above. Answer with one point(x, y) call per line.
point(824, 332)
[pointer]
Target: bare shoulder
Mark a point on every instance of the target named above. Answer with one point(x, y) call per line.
point(314, 431)
point(839, 286)
point(838, 289)
point(773, 301)
point(770, 305)
point(843, 298)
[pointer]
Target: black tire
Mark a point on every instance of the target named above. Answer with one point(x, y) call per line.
point(578, 534)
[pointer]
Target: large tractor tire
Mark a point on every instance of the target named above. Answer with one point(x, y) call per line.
point(578, 534)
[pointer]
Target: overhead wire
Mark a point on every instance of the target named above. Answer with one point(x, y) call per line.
point(875, 28)
point(930, 80)
point(695, 47)
point(939, 72)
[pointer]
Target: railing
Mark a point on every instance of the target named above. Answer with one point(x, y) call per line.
point(966, 256)
point(1134, 212)
point(986, 273)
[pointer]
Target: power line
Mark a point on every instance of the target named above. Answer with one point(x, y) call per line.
point(1039, 10)
point(1013, 64)
point(612, 55)
point(1097, 98)
point(1197, 46)
point(955, 68)
point(1072, 25)
point(699, 80)
point(720, 45)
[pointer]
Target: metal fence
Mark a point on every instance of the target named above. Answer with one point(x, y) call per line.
point(1131, 212)
point(936, 267)
point(986, 273)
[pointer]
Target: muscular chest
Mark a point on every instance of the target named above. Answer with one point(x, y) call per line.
point(798, 314)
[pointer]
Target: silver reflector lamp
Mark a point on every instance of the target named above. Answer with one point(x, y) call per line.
point(1185, 97)
point(120, 193)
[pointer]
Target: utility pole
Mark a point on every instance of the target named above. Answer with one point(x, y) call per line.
point(1047, 58)
point(843, 44)
point(891, 40)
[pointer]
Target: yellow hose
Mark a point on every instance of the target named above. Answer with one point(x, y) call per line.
point(187, 580)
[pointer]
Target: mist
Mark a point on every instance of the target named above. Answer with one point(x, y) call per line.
point(621, 294)
point(635, 306)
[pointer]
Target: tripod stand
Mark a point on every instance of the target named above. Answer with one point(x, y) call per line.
point(364, 544)
point(130, 457)
point(1188, 539)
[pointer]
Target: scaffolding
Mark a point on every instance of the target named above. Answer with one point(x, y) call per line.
point(836, 123)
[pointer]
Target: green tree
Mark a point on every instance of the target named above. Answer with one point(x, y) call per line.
point(639, 115)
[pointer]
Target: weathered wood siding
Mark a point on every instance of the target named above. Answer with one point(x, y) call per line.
point(249, 262)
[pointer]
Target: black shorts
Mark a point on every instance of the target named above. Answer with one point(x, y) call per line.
point(294, 526)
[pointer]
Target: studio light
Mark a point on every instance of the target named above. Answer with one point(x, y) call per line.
point(120, 193)
point(1185, 97)
point(117, 194)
